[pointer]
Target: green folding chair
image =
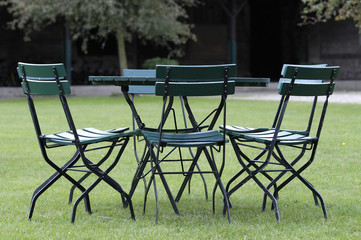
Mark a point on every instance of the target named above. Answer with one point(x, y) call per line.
point(143, 89)
point(298, 80)
point(186, 81)
point(50, 79)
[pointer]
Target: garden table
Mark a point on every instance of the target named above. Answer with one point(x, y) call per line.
point(125, 81)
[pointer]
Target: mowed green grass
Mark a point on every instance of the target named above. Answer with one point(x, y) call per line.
point(335, 173)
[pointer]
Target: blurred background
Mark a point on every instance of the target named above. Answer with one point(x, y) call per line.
point(259, 35)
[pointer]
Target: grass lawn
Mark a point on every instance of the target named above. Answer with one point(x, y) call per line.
point(335, 173)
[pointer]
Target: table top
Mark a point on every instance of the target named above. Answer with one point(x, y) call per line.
point(134, 80)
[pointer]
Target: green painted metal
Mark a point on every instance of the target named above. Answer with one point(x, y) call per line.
point(42, 71)
point(194, 89)
point(86, 136)
point(140, 89)
point(297, 65)
point(196, 139)
point(196, 73)
point(284, 137)
point(51, 79)
point(187, 81)
point(40, 78)
point(300, 80)
point(204, 80)
point(322, 73)
point(139, 72)
point(132, 80)
point(307, 89)
point(45, 87)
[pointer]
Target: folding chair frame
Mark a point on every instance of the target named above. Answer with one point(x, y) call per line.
point(59, 86)
point(147, 90)
point(156, 142)
point(278, 137)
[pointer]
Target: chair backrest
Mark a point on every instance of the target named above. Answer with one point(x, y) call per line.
point(206, 80)
point(137, 89)
point(43, 79)
point(197, 73)
point(283, 71)
point(308, 81)
point(185, 81)
point(284, 79)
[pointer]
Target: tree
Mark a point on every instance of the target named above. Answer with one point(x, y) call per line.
point(159, 21)
point(232, 9)
point(323, 10)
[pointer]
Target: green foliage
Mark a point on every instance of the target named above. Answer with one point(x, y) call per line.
point(152, 62)
point(163, 22)
point(335, 173)
point(323, 10)
point(156, 20)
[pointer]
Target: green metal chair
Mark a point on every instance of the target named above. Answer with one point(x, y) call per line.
point(50, 79)
point(298, 80)
point(141, 89)
point(186, 81)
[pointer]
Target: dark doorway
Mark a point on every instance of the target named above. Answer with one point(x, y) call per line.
point(266, 41)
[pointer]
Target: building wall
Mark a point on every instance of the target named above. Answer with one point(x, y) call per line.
point(336, 43)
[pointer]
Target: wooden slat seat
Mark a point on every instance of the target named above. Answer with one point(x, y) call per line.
point(86, 136)
point(193, 139)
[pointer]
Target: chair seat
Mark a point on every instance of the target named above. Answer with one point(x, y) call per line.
point(241, 130)
point(87, 136)
point(179, 130)
point(265, 135)
point(194, 139)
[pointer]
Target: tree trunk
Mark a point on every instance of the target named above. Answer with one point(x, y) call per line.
point(67, 52)
point(232, 10)
point(122, 55)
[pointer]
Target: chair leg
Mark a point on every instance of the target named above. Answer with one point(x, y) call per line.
point(72, 189)
point(289, 179)
point(269, 194)
point(204, 181)
point(139, 174)
point(314, 191)
point(156, 201)
point(251, 175)
point(228, 185)
point(266, 192)
point(201, 175)
point(154, 161)
point(130, 204)
point(85, 176)
point(137, 157)
point(167, 189)
point(146, 193)
point(280, 157)
point(316, 195)
point(81, 198)
point(103, 175)
point(220, 175)
point(51, 180)
point(220, 184)
point(188, 176)
point(40, 190)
